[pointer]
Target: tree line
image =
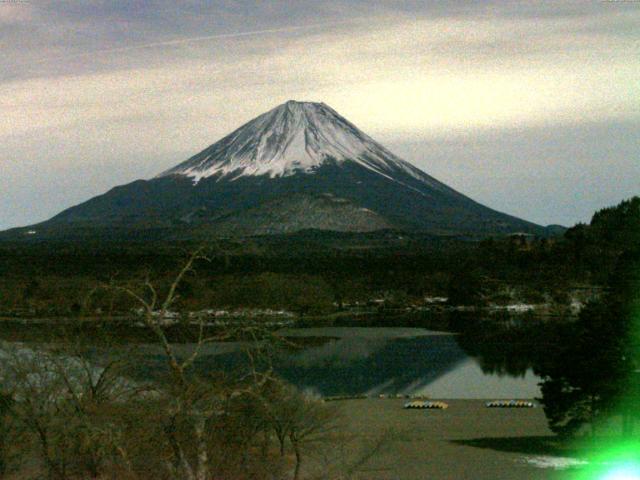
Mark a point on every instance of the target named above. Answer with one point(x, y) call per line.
point(52, 279)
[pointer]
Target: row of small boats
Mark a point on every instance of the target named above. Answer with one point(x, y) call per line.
point(423, 404)
point(419, 404)
point(510, 404)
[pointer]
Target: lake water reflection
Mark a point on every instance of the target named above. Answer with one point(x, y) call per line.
point(364, 361)
point(373, 361)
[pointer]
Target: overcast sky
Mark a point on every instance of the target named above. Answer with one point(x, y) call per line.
point(530, 108)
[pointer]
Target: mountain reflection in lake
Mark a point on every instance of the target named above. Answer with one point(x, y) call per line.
point(389, 361)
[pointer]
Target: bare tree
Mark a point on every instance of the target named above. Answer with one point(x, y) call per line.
point(37, 391)
point(7, 432)
point(64, 403)
point(197, 404)
point(193, 400)
point(311, 423)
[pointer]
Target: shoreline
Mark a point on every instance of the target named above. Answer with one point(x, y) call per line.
point(465, 441)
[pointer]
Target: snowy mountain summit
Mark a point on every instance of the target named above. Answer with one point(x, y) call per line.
point(293, 137)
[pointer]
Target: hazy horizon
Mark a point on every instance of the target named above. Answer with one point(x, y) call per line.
point(532, 109)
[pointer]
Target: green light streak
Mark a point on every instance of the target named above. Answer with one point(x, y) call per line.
point(616, 455)
point(616, 461)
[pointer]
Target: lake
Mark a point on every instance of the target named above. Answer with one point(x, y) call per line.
point(352, 361)
point(375, 361)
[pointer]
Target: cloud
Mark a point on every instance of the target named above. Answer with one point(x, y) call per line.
point(15, 12)
point(191, 40)
point(130, 91)
point(423, 77)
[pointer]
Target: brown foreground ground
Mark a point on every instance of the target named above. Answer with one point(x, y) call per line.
point(466, 441)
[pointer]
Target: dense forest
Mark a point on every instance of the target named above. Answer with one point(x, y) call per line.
point(589, 365)
point(320, 272)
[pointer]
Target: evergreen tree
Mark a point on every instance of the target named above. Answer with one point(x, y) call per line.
point(593, 371)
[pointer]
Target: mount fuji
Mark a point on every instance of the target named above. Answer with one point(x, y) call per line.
point(299, 166)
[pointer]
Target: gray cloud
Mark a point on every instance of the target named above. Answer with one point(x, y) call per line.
point(545, 174)
point(99, 93)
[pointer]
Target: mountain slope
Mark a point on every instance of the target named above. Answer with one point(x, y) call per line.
point(298, 166)
point(301, 212)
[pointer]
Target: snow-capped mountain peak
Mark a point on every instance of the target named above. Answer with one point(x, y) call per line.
point(293, 137)
point(300, 166)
